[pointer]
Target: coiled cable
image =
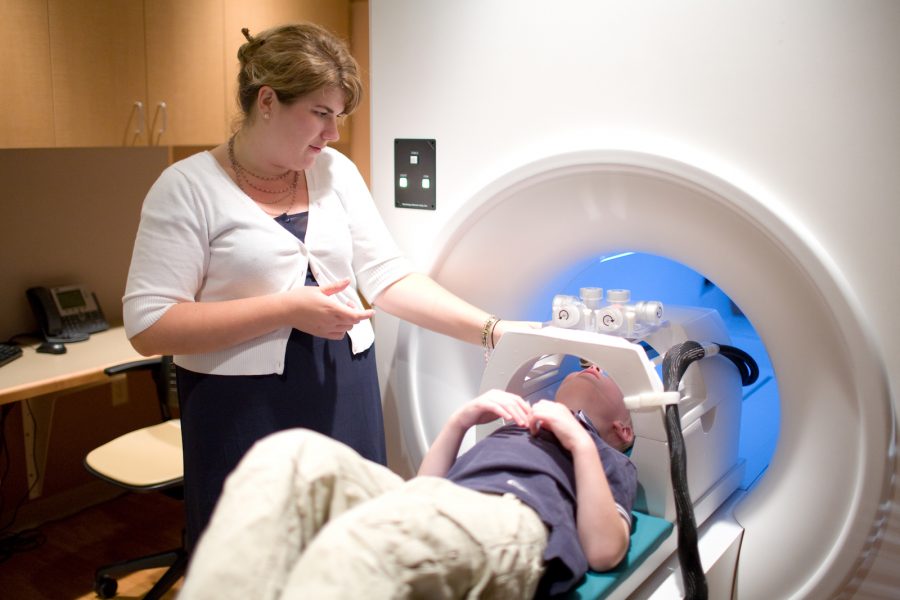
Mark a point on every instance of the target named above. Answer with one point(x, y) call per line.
point(745, 364)
point(675, 364)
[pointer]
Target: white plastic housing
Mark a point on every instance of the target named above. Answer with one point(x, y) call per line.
point(754, 142)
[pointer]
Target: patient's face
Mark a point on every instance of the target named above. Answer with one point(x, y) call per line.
point(595, 392)
point(590, 388)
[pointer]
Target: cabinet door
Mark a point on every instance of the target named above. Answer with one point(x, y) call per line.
point(185, 71)
point(257, 15)
point(97, 65)
point(26, 96)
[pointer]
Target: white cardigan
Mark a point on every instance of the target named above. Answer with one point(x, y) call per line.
point(202, 239)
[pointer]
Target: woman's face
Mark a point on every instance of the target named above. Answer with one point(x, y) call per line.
point(302, 129)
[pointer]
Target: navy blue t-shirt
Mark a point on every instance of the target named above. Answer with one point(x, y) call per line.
point(540, 472)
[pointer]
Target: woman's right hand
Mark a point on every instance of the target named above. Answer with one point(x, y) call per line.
point(314, 311)
point(197, 327)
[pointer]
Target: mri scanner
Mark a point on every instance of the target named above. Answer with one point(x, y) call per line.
point(756, 145)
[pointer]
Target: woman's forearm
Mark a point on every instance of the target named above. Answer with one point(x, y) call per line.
point(422, 301)
point(197, 327)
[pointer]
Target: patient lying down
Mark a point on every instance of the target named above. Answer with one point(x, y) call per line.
point(524, 513)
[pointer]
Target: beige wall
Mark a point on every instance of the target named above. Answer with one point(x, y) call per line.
point(69, 215)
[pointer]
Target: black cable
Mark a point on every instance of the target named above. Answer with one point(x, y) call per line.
point(21, 541)
point(27, 539)
point(29, 336)
point(4, 453)
point(744, 362)
point(7, 465)
point(675, 363)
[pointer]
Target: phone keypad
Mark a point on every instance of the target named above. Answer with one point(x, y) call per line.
point(89, 322)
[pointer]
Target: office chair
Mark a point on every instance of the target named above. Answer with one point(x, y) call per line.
point(147, 459)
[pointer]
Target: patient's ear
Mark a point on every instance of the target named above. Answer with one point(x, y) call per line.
point(624, 432)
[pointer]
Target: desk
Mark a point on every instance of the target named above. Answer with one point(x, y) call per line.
point(38, 379)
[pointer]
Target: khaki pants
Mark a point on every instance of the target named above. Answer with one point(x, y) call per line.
point(304, 517)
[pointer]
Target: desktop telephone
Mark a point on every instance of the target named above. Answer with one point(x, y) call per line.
point(67, 313)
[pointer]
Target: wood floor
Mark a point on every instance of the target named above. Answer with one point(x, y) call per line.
point(62, 567)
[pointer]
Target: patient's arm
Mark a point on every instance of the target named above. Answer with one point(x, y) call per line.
point(602, 531)
point(483, 409)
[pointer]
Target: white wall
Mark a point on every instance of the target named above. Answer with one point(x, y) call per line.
point(796, 102)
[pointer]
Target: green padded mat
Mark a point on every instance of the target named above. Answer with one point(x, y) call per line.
point(649, 532)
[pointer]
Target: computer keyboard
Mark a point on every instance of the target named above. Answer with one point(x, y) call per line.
point(9, 352)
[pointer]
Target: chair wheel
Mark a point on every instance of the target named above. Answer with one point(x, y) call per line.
point(105, 587)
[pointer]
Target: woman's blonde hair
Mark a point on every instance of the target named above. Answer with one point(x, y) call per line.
point(295, 60)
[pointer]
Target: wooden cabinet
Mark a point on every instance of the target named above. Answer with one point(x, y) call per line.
point(133, 72)
point(97, 63)
point(185, 72)
point(26, 96)
point(129, 72)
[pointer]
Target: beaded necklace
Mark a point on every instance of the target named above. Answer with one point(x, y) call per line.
point(242, 179)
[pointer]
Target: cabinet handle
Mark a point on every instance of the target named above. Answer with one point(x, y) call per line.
point(141, 119)
point(164, 109)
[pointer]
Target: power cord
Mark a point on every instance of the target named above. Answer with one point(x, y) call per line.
point(27, 539)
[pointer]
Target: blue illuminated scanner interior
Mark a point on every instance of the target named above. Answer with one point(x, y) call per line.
point(651, 277)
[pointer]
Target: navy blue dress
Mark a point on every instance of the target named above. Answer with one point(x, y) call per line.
point(324, 387)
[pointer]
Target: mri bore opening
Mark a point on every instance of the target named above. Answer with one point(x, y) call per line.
point(652, 277)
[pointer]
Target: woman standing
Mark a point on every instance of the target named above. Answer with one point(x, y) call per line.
point(248, 263)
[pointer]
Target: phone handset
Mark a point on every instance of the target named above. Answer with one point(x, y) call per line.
point(66, 314)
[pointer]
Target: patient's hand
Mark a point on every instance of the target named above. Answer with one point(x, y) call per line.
point(557, 418)
point(483, 409)
point(491, 405)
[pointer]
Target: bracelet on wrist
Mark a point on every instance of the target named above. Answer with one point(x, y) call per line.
point(487, 334)
point(491, 334)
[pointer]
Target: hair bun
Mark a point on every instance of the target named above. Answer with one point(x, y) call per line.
point(246, 51)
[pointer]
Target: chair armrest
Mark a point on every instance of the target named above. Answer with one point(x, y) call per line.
point(136, 365)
